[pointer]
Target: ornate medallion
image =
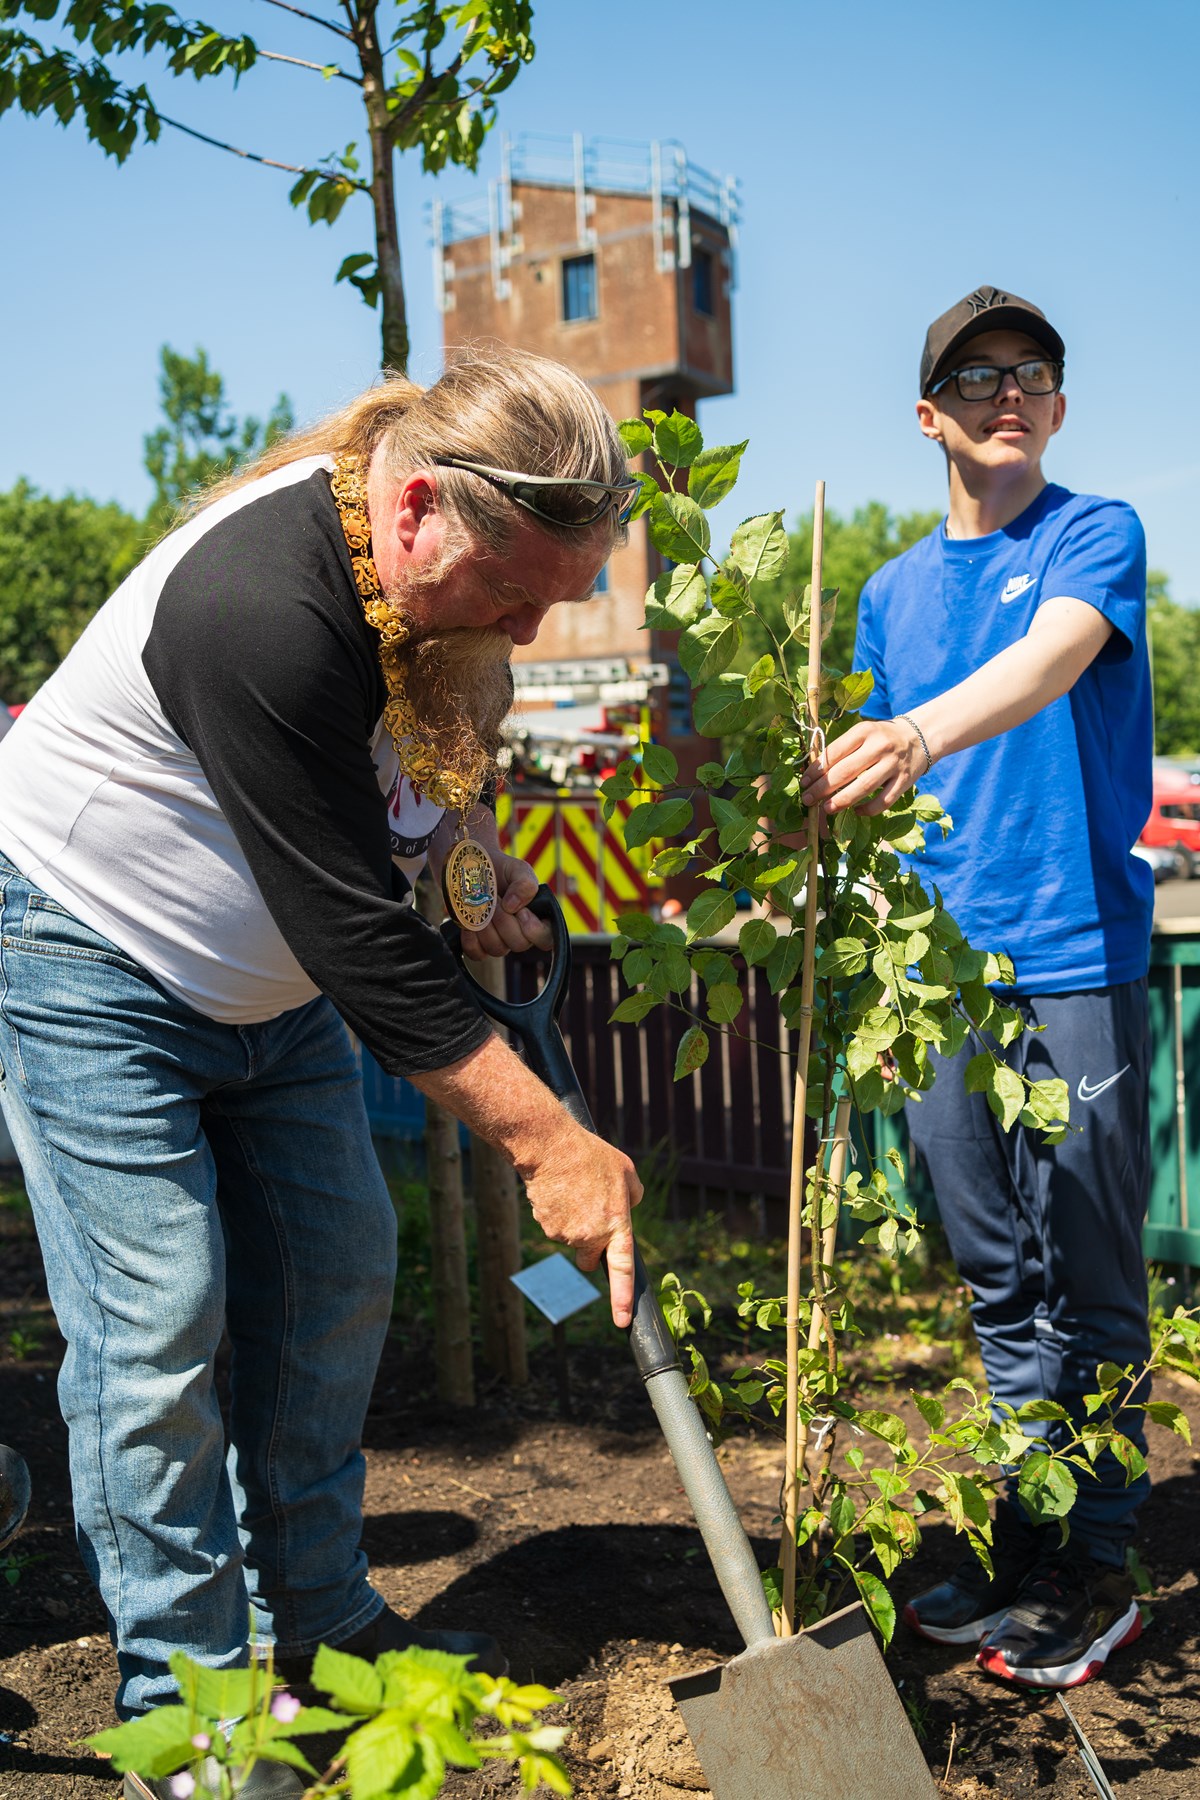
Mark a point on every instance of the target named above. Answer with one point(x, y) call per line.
point(469, 884)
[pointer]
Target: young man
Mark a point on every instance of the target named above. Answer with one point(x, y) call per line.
point(210, 819)
point(1009, 648)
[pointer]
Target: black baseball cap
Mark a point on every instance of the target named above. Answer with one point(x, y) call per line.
point(987, 309)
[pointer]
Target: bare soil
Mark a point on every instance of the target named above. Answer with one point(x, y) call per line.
point(571, 1540)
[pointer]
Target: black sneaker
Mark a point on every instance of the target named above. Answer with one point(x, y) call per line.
point(388, 1631)
point(971, 1603)
point(266, 1781)
point(1070, 1615)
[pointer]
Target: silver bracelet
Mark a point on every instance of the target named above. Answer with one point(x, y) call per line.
point(921, 736)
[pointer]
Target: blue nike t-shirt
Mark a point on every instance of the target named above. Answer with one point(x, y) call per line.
point(1039, 863)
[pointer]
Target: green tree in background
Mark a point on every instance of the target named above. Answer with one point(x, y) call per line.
point(854, 549)
point(59, 560)
point(428, 77)
point(1175, 663)
point(200, 439)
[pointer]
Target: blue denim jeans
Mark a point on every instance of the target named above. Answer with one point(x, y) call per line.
point(188, 1177)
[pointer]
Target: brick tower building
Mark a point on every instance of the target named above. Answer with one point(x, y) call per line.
point(618, 260)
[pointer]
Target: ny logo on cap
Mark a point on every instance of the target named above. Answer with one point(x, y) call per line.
point(983, 299)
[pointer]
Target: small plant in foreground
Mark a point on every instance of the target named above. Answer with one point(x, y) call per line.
point(406, 1720)
point(872, 974)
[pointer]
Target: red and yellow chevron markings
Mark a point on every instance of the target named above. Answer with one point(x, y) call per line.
point(583, 860)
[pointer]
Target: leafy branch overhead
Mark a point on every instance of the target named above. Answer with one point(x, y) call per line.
point(429, 78)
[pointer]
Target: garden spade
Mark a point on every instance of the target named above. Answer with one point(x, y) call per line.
point(810, 1717)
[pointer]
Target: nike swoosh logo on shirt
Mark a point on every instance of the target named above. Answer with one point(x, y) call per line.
point(1087, 1092)
point(1018, 585)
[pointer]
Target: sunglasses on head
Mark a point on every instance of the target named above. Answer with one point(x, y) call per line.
point(570, 501)
point(981, 381)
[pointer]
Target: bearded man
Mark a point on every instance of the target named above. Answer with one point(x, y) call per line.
point(211, 817)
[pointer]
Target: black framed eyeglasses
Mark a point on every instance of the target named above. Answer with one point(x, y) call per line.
point(567, 500)
point(982, 381)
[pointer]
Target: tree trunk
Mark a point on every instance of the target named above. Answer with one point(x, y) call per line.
point(447, 1228)
point(383, 192)
point(498, 1217)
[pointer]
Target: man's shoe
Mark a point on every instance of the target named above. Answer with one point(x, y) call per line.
point(266, 1781)
point(388, 1631)
point(14, 1494)
point(1070, 1615)
point(963, 1609)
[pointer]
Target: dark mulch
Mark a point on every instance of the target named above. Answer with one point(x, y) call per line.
point(572, 1542)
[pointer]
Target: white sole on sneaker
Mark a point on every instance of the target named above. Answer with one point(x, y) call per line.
point(1121, 1632)
point(971, 1633)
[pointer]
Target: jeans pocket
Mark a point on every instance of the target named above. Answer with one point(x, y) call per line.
point(48, 929)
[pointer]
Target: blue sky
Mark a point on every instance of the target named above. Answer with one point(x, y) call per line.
point(892, 157)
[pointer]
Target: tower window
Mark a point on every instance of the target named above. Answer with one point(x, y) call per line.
point(579, 287)
point(702, 282)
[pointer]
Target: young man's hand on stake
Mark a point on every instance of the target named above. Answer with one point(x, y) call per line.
point(581, 1189)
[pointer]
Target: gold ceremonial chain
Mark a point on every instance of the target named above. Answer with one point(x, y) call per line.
point(418, 760)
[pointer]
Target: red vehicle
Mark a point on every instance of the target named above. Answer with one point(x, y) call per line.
point(1174, 822)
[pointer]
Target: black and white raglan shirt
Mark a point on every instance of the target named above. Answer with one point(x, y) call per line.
point(206, 782)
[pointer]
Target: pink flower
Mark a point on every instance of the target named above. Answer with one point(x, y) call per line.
point(183, 1786)
point(202, 1741)
point(285, 1707)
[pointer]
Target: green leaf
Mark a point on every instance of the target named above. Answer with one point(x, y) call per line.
point(659, 765)
point(784, 960)
point(638, 926)
point(692, 1053)
point(729, 592)
point(1129, 1456)
point(845, 956)
point(724, 1002)
point(1006, 1095)
point(708, 647)
point(1165, 1412)
point(656, 818)
point(878, 1602)
point(217, 1693)
point(677, 440)
point(757, 939)
point(671, 861)
point(352, 1682)
point(713, 473)
point(761, 673)
point(722, 705)
point(736, 831)
point(1042, 1409)
point(711, 774)
point(760, 546)
point(680, 596)
point(931, 1410)
point(884, 1425)
point(633, 1009)
point(636, 436)
point(678, 528)
point(710, 913)
point(155, 1744)
point(842, 1514)
point(379, 1753)
point(852, 691)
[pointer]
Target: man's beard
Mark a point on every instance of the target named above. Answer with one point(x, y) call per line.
point(460, 686)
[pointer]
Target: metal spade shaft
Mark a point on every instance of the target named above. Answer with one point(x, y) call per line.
point(535, 1023)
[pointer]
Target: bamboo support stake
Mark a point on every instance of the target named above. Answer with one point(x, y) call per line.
point(791, 1493)
point(497, 1211)
point(837, 1176)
